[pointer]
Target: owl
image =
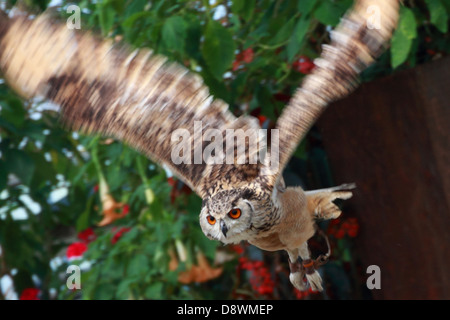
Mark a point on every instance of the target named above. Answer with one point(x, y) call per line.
point(142, 99)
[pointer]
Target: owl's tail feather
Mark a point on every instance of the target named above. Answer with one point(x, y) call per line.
point(320, 202)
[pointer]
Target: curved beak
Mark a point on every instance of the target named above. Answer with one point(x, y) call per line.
point(223, 227)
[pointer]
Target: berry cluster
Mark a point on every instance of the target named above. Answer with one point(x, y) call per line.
point(340, 228)
point(87, 235)
point(260, 277)
point(302, 294)
point(245, 56)
point(304, 65)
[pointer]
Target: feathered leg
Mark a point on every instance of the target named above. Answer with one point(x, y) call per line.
point(296, 271)
point(312, 275)
point(320, 205)
point(304, 268)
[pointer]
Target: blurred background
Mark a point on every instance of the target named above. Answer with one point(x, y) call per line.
point(132, 228)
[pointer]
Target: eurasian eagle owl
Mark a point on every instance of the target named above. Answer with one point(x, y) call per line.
point(142, 99)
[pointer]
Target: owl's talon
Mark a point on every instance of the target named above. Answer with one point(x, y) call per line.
point(315, 281)
point(297, 281)
point(312, 275)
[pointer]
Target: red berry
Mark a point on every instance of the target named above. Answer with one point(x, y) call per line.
point(236, 64)
point(335, 221)
point(340, 234)
point(248, 55)
point(353, 231)
point(304, 65)
point(262, 119)
point(263, 290)
point(125, 209)
point(87, 235)
point(237, 248)
point(346, 225)
point(171, 181)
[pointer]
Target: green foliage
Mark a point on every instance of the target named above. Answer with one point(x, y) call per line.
point(403, 37)
point(218, 48)
point(439, 15)
point(39, 158)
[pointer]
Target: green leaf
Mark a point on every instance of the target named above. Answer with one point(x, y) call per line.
point(46, 172)
point(216, 87)
point(135, 6)
point(19, 163)
point(407, 23)
point(34, 131)
point(174, 34)
point(239, 85)
point(265, 101)
point(439, 16)
point(296, 41)
point(194, 34)
point(106, 16)
point(400, 48)
point(104, 291)
point(245, 9)
point(306, 6)
point(3, 175)
point(403, 37)
point(283, 33)
point(154, 291)
point(237, 6)
point(13, 110)
point(330, 13)
point(218, 49)
point(123, 289)
point(131, 20)
point(83, 221)
point(138, 265)
point(116, 179)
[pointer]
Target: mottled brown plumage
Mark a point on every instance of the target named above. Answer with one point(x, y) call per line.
point(142, 99)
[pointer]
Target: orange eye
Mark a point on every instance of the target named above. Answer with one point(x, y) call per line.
point(211, 220)
point(235, 213)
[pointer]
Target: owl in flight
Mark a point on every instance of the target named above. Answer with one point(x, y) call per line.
point(142, 99)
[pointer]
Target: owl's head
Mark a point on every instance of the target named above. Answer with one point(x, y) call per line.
point(228, 215)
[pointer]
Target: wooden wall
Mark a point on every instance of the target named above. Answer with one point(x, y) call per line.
point(392, 138)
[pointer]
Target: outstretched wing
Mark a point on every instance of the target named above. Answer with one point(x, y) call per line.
point(356, 42)
point(143, 100)
point(136, 97)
